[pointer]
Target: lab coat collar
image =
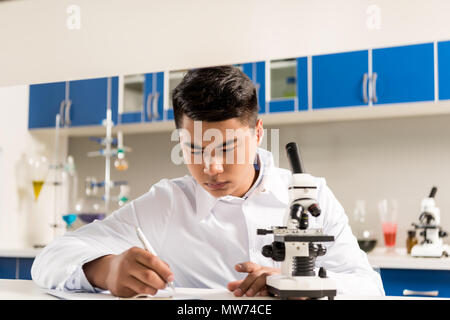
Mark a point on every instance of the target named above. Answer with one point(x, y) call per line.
point(273, 183)
point(269, 182)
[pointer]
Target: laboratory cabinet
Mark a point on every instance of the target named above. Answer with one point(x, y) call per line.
point(397, 280)
point(142, 98)
point(398, 74)
point(287, 85)
point(403, 74)
point(15, 268)
point(340, 79)
point(89, 101)
point(443, 57)
point(79, 102)
point(45, 102)
point(256, 71)
point(372, 77)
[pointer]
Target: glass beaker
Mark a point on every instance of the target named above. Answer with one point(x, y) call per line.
point(92, 206)
point(388, 210)
point(363, 232)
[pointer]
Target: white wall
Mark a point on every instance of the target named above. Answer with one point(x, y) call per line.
point(374, 159)
point(20, 223)
point(361, 160)
point(135, 36)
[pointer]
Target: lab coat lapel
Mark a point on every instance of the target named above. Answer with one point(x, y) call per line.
point(205, 202)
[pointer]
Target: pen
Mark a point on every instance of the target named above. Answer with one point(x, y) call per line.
point(147, 247)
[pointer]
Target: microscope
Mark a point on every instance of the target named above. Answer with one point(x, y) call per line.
point(295, 245)
point(430, 220)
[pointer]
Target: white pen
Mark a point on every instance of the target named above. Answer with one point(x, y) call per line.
point(147, 247)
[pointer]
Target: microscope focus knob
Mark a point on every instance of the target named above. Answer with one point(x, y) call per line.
point(442, 234)
point(267, 251)
point(276, 251)
point(314, 210)
point(322, 273)
point(321, 250)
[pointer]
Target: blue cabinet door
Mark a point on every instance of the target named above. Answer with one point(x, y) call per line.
point(302, 83)
point(444, 69)
point(8, 268)
point(45, 102)
point(404, 74)
point(131, 117)
point(256, 71)
point(154, 98)
point(159, 113)
point(340, 80)
point(15, 268)
point(89, 100)
point(25, 268)
point(397, 280)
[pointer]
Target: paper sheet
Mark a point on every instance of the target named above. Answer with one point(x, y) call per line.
point(166, 294)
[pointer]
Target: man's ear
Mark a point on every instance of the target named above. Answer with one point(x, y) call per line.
point(259, 130)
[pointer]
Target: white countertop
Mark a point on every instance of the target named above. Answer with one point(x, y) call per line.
point(28, 290)
point(19, 253)
point(398, 259)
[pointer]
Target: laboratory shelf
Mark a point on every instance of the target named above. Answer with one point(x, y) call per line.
point(19, 253)
point(385, 111)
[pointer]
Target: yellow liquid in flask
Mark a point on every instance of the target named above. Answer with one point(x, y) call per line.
point(37, 187)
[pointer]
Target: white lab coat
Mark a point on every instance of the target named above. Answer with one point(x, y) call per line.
point(202, 237)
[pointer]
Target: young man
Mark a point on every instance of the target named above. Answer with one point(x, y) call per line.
point(202, 228)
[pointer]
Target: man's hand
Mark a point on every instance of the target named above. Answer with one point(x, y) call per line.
point(255, 282)
point(129, 273)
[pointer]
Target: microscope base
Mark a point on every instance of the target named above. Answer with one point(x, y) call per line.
point(430, 251)
point(291, 287)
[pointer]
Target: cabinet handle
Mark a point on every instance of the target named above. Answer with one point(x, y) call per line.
point(433, 293)
point(364, 89)
point(67, 113)
point(374, 87)
point(147, 107)
point(61, 113)
point(155, 105)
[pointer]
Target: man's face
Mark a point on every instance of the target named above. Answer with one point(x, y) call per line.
point(220, 155)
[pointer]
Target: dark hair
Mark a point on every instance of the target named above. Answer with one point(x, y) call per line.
point(215, 94)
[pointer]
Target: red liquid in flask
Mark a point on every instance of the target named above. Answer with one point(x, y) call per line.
point(389, 231)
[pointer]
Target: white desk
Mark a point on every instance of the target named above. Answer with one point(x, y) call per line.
point(28, 290)
point(398, 259)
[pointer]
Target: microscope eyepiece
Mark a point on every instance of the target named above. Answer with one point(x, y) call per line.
point(294, 157)
point(433, 192)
